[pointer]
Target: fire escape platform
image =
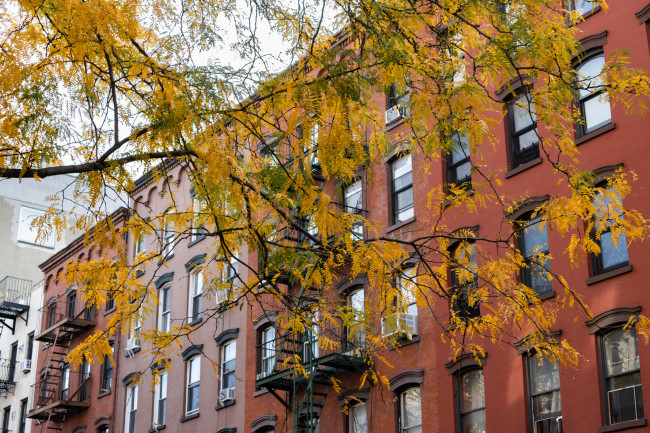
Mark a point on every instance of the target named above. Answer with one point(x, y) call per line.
point(70, 326)
point(58, 410)
point(11, 310)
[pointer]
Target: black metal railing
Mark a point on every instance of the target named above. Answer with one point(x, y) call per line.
point(66, 308)
point(62, 388)
point(15, 290)
point(8, 370)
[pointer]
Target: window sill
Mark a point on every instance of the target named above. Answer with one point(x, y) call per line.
point(196, 241)
point(402, 342)
point(596, 133)
point(523, 167)
point(591, 12)
point(399, 225)
point(195, 321)
point(623, 425)
point(103, 394)
point(448, 202)
point(260, 392)
point(546, 295)
point(154, 430)
point(395, 123)
point(225, 405)
point(161, 261)
point(107, 312)
point(609, 274)
point(189, 417)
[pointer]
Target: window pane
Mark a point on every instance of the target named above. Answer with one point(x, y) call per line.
point(461, 147)
point(589, 81)
point(404, 200)
point(195, 370)
point(402, 167)
point(611, 254)
point(471, 391)
point(621, 352)
point(625, 404)
point(528, 140)
point(535, 240)
point(546, 404)
point(524, 112)
point(353, 196)
point(474, 422)
point(544, 375)
point(163, 385)
point(411, 408)
point(464, 172)
point(596, 112)
point(358, 419)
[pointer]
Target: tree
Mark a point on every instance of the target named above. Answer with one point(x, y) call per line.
point(90, 87)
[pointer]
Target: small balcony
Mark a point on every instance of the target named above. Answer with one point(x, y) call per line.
point(59, 395)
point(8, 371)
point(65, 317)
point(14, 300)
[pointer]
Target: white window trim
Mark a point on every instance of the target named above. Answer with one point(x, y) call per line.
point(189, 384)
point(195, 291)
point(224, 361)
point(163, 379)
point(164, 317)
point(131, 406)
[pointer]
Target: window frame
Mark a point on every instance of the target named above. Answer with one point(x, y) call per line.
point(521, 157)
point(529, 358)
point(459, 303)
point(192, 387)
point(526, 274)
point(168, 239)
point(164, 316)
point(350, 419)
point(195, 298)
point(459, 404)
point(581, 127)
point(267, 355)
point(22, 421)
point(452, 167)
point(607, 415)
point(107, 371)
point(357, 340)
point(402, 411)
point(357, 231)
point(395, 192)
point(597, 259)
point(160, 400)
point(131, 408)
point(223, 371)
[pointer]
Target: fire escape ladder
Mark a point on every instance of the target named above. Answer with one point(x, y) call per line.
point(307, 412)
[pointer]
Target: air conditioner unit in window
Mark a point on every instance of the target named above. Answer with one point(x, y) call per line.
point(26, 365)
point(393, 113)
point(226, 394)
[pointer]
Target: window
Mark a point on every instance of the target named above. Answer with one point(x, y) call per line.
point(471, 402)
point(85, 374)
point(228, 354)
point(397, 102)
point(168, 240)
point(72, 304)
point(410, 411)
point(131, 409)
point(134, 332)
point(110, 299)
point(107, 371)
point(23, 416)
point(30, 346)
point(608, 234)
point(406, 318)
point(358, 419)
point(140, 244)
point(11, 376)
point(229, 277)
point(533, 243)
point(196, 295)
point(592, 98)
point(267, 352)
point(103, 429)
point(620, 366)
point(164, 305)
point(6, 415)
point(544, 394)
point(197, 227)
point(29, 234)
point(402, 188)
point(581, 6)
point(459, 167)
point(160, 400)
point(355, 333)
point(353, 202)
point(453, 56)
point(193, 382)
point(462, 280)
point(522, 129)
point(65, 382)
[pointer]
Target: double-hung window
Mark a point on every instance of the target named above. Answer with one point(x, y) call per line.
point(164, 308)
point(397, 103)
point(267, 351)
point(410, 411)
point(193, 385)
point(544, 394)
point(160, 400)
point(592, 97)
point(623, 398)
point(22, 423)
point(131, 409)
point(358, 419)
point(353, 202)
point(140, 243)
point(405, 318)
point(65, 382)
point(459, 167)
point(609, 236)
point(107, 371)
point(168, 239)
point(228, 356)
point(462, 280)
point(196, 295)
point(522, 130)
point(355, 330)
point(228, 280)
point(470, 401)
point(197, 209)
point(533, 244)
point(402, 188)
point(582, 6)
point(451, 44)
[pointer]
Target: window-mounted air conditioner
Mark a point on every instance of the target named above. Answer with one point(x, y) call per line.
point(132, 344)
point(26, 365)
point(226, 394)
point(392, 114)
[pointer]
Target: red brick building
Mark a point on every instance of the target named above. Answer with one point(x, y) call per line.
point(65, 398)
point(509, 389)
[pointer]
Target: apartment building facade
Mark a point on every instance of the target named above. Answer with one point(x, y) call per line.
point(199, 386)
point(65, 397)
point(432, 387)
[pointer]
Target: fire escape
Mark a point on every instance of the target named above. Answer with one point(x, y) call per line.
point(14, 304)
point(60, 392)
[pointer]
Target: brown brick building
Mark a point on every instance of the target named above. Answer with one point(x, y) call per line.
point(65, 398)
